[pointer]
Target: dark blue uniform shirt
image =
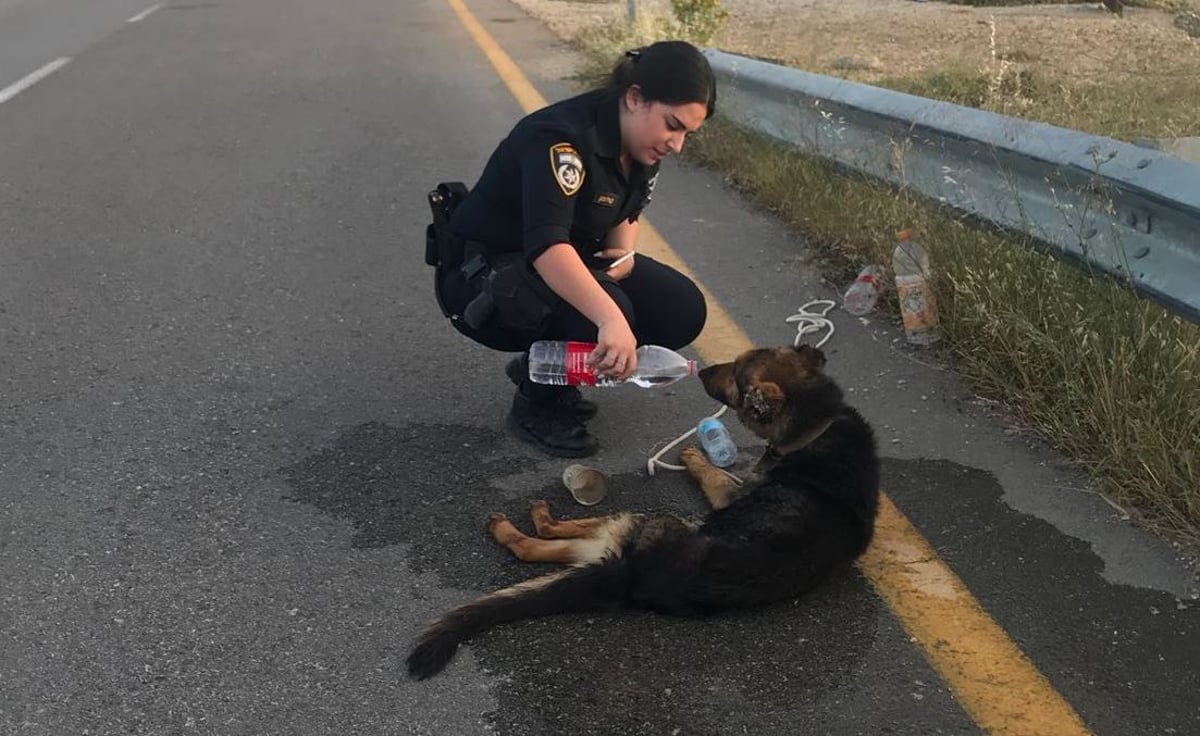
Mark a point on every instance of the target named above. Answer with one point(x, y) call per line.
point(556, 179)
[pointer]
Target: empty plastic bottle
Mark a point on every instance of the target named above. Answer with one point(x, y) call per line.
point(918, 306)
point(563, 364)
point(863, 294)
point(717, 443)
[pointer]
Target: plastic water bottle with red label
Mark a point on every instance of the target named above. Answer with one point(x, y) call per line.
point(863, 294)
point(565, 364)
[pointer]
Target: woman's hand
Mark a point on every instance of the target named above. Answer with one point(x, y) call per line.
point(616, 347)
point(616, 350)
point(620, 262)
point(620, 242)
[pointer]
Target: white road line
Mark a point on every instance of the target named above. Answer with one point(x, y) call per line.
point(142, 15)
point(29, 80)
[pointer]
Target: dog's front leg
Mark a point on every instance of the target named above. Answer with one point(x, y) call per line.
point(718, 487)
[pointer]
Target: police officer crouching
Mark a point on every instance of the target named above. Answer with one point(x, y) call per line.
point(536, 251)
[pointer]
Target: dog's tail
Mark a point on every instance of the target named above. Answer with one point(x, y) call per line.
point(577, 589)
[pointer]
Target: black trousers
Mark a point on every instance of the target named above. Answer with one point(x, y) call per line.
point(662, 306)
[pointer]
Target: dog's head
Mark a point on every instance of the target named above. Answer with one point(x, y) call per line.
point(779, 393)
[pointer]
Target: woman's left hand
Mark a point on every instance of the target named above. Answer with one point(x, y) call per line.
point(621, 269)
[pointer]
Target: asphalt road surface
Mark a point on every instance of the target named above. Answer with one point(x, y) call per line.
point(243, 458)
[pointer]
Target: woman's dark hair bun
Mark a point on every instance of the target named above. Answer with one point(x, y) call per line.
point(673, 72)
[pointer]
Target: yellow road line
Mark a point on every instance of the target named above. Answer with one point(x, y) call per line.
point(527, 95)
point(992, 679)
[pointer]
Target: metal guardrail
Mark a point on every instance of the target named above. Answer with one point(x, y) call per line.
point(1130, 212)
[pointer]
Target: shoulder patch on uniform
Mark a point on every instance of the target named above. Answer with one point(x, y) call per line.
point(567, 165)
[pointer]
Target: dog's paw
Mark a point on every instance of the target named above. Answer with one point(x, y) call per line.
point(693, 457)
point(539, 506)
point(493, 519)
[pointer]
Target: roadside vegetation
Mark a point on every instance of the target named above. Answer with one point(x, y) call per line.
point(1109, 378)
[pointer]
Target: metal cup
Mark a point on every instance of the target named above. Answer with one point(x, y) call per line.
point(587, 485)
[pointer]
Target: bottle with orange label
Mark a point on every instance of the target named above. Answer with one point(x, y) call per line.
point(918, 304)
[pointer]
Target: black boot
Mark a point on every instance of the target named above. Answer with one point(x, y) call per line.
point(537, 417)
point(569, 398)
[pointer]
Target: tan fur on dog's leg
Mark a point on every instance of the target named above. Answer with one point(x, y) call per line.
point(718, 487)
point(548, 528)
point(531, 549)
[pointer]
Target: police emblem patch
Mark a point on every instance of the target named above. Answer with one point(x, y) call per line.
point(567, 166)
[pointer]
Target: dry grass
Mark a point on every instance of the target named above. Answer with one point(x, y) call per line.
point(1164, 4)
point(1076, 66)
point(1122, 107)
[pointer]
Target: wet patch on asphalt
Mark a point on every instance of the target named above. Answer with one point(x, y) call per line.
point(1127, 659)
point(766, 670)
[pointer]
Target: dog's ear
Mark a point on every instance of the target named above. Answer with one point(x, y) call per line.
point(763, 402)
point(718, 382)
point(812, 357)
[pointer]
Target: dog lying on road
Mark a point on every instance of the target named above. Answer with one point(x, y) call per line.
point(808, 508)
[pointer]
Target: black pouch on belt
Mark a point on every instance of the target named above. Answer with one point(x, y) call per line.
point(514, 296)
point(442, 248)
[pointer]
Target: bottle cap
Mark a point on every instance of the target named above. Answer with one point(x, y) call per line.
point(587, 485)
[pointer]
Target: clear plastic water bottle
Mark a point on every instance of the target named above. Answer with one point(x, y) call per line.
point(563, 364)
point(717, 443)
point(918, 305)
point(863, 294)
